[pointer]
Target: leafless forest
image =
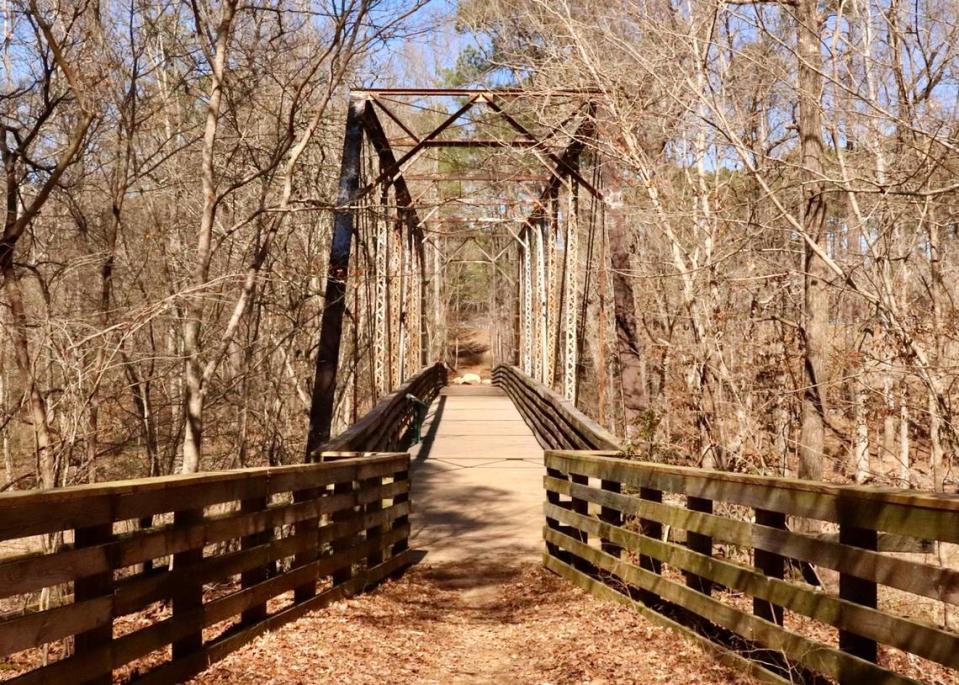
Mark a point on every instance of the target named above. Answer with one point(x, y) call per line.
point(773, 289)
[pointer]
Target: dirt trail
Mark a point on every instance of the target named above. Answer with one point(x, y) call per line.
point(472, 343)
point(471, 623)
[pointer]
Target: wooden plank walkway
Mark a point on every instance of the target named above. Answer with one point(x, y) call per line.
point(477, 480)
point(479, 608)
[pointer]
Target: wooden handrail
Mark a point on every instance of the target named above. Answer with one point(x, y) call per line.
point(383, 427)
point(298, 538)
point(731, 538)
point(555, 421)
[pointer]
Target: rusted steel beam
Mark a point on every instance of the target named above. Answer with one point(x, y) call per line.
point(396, 119)
point(466, 142)
point(334, 305)
point(462, 232)
point(571, 295)
point(561, 165)
point(377, 137)
point(564, 123)
point(394, 169)
point(506, 176)
point(514, 92)
point(568, 159)
point(482, 220)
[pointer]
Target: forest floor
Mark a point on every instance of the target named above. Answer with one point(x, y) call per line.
point(459, 623)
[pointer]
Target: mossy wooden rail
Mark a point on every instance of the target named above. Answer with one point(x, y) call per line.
point(686, 547)
point(737, 546)
point(229, 555)
point(554, 420)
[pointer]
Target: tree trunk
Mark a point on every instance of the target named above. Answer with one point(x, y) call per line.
point(36, 403)
point(860, 448)
point(816, 272)
point(629, 345)
point(935, 443)
point(140, 391)
point(4, 431)
point(904, 475)
point(888, 421)
point(193, 374)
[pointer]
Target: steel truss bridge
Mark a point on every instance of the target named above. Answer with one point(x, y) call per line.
point(792, 581)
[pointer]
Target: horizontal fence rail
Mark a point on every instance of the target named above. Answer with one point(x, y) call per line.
point(383, 428)
point(155, 579)
point(717, 556)
point(555, 421)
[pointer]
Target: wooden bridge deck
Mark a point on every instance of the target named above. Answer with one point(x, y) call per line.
point(477, 480)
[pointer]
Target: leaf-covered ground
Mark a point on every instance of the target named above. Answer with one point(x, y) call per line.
point(471, 623)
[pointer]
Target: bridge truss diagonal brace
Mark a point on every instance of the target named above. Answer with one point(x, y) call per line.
point(363, 123)
point(414, 230)
point(334, 303)
point(392, 171)
point(564, 165)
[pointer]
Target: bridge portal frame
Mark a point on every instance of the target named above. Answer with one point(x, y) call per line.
point(538, 235)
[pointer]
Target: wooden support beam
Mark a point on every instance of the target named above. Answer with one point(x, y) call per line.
point(862, 591)
point(257, 574)
point(771, 564)
point(91, 587)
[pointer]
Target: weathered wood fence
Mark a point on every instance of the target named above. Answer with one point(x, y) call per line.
point(229, 555)
point(554, 420)
point(709, 553)
point(384, 426)
point(734, 561)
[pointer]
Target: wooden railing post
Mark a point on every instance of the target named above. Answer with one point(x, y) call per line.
point(651, 529)
point(188, 592)
point(308, 531)
point(345, 572)
point(375, 556)
point(860, 591)
point(401, 545)
point(252, 577)
point(90, 587)
point(697, 542)
point(611, 516)
point(580, 506)
point(553, 498)
point(771, 564)
point(146, 523)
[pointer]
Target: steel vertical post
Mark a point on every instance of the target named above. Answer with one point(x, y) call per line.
point(571, 296)
point(542, 345)
point(527, 304)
